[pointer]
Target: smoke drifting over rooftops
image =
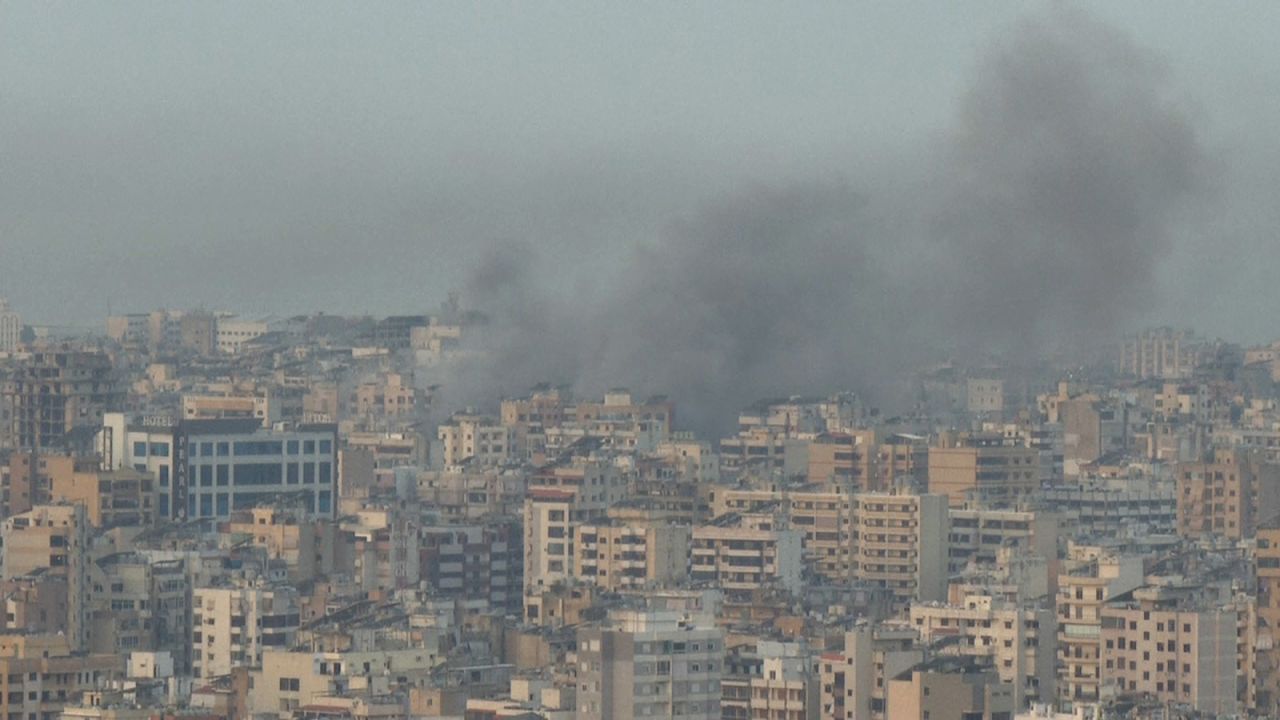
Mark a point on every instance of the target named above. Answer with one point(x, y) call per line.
point(1042, 215)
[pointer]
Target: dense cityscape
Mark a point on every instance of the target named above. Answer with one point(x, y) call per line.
point(214, 516)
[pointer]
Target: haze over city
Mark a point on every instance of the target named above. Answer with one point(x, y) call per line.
point(569, 361)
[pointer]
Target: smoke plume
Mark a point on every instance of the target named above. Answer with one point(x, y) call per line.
point(1044, 217)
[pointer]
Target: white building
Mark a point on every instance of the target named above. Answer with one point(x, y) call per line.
point(232, 626)
point(210, 468)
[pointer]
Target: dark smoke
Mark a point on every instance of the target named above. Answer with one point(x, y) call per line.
point(1044, 220)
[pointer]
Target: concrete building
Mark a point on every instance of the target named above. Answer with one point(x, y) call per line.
point(649, 664)
point(232, 333)
point(139, 605)
point(1020, 642)
point(52, 540)
point(901, 542)
point(111, 499)
point(1267, 582)
point(977, 534)
point(1160, 353)
point(1153, 646)
point(10, 328)
point(309, 547)
point(983, 468)
point(1082, 593)
point(474, 439)
point(1228, 496)
point(562, 498)
point(737, 557)
point(845, 461)
point(618, 556)
point(52, 392)
point(478, 563)
point(825, 518)
point(385, 547)
point(40, 675)
point(786, 687)
point(948, 688)
point(233, 626)
point(855, 681)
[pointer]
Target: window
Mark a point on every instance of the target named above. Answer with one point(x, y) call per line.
point(164, 476)
point(159, 449)
point(292, 447)
point(224, 449)
point(206, 476)
point(258, 474)
point(326, 473)
point(290, 684)
point(309, 447)
point(292, 476)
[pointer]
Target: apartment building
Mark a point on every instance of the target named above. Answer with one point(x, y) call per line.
point(480, 563)
point(111, 499)
point(1227, 496)
point(901, 544)
point(561, 498)
point(950, 688)
point(1160, 353)
point(786, 687)
point(765, 448)
point(474, 439)
point(385, 543)
point(984, 468)
point(1020, 642)
point(977, 534)
point(52, 540)
point(1083, 591)
point(649, 664)
point(41, 675)
point(139, 605)
point(855, 681)
point(1157, 646)
point(10, 328)
point(740, 556)
point(1103, 511)
point(297, 683)
point(1267, 582)
point(308, 546)
point(233, 626)
point(845, 461)
point(49, 393)
point(825, 518)
point(617, 556)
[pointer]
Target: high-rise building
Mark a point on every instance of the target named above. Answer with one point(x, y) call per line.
point(640, 664)
point(1228, 495)
point(983, 467)
point(52, 540)
point(233, 626)
point(10, 327)
point(901, 544)
point(52, 392)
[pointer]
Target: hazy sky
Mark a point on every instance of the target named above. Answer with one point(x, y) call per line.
point(363, 157)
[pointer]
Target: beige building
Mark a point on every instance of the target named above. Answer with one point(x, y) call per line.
point(309, 547)
point(1160, 353)
point(111, 499)
point(560, 500)
point(739, 557)
point(10, 328)
point(977, 534)
point(476, 439)
point(51, 392)
point(1083, 590)
point(40, 675)
point(825, 518)
point(290, 681)
point(901, 544)
point(53, 540)
point(233, 626)
point(1154, 648)
point(855, 681)
point(948, 688)
point(1228, 496)
point(1267, 578)
point(1021, 643)
point(845, 461)
point(617, 556)
point(649, 664)
point(982, 467)
point(786, 687)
